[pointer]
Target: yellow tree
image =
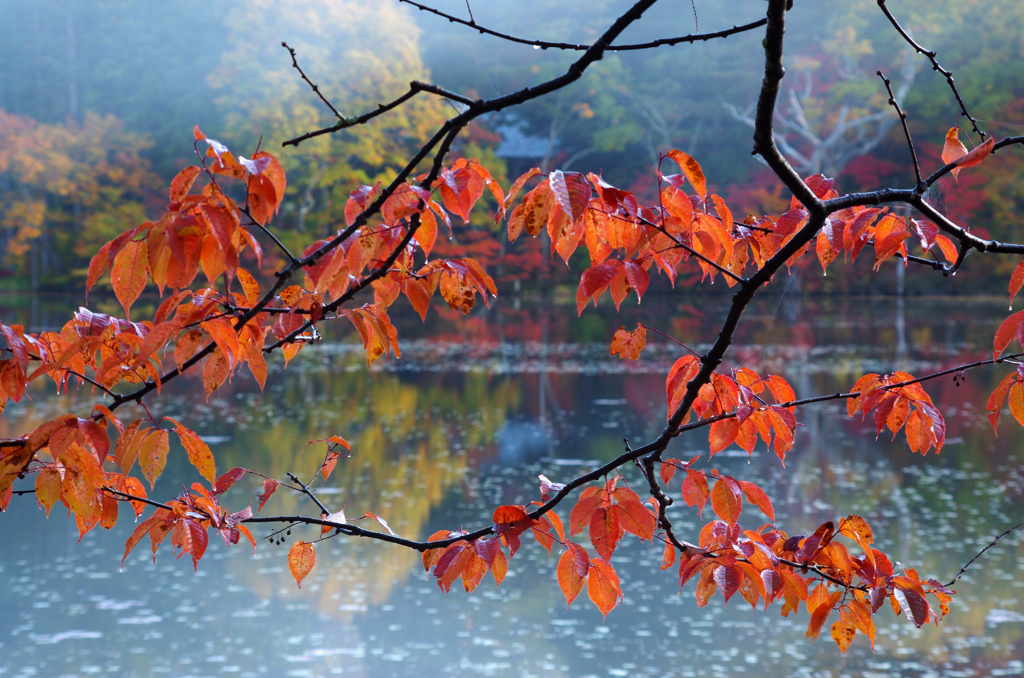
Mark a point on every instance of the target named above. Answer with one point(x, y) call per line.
point(66, 189)
point(359, 54)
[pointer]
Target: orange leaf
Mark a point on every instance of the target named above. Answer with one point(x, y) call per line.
point(844, 630)
point(668, 557)
point(199, 453)
point(301, 558)
point(692, 171)
point(756, 496)
point(818, 618)
point(636, 519)
point(604, 531)
point(128, 275)
point(723, 433)
point(976, 156)
point(250, 288)
point(580, 515)
point(215, 371)
point(127, 449)
point(603, 586)
point(726, 503)
point(1016, 401)
point(573, 567)
point(153, 454)
point(947, 247)
point(953, 149)
point(181, 184)
point(629, 344)
point(682, 372)
point(48, 488)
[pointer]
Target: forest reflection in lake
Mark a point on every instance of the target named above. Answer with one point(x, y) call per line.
point(465, 421)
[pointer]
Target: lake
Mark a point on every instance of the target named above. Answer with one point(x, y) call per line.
point(465, 421)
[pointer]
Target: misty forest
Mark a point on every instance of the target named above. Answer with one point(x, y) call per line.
point(512, 338)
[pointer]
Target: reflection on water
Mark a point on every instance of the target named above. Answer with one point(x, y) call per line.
point(465, 421)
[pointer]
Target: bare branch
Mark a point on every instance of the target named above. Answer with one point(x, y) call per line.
point(906, 130)
point(931, 54)
point(316, 90)
point(991, 544)
point(415, 87)
point(544, 44)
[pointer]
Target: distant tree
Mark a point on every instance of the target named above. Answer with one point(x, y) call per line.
point(359, 54)
point(216, 326)
point(66, 189)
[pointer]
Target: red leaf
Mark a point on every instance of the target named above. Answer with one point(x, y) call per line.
point(995, 401)
point(269, 487)
point(728, 581)
point(976, 156)
point(604, 531)
point(571, 191)
point(1016, 280)
point(695, 490)
point(225, 482)
point(603, 586)
point(509, 514)
point(914, 606)
point(1009, 330)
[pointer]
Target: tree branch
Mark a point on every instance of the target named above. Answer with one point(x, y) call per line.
point(993, 543)
point(415, 88)
point(906, 130)
point(931, 54)
point(544, 44)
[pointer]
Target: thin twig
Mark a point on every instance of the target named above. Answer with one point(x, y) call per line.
point(931, 54)
point(316, 90)
point(131, 497)
point(993, 543)
point(415, 88)
point(307, 491)
point(906, 130)
point(544, 44)
point(291, 257)
point(672, 339)
point(679, 243)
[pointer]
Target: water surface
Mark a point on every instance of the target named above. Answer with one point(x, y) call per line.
point(465, 421)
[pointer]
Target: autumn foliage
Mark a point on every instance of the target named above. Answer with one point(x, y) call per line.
point(204, 255)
